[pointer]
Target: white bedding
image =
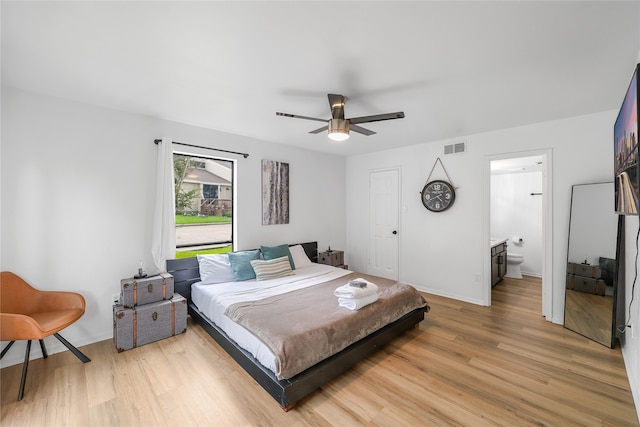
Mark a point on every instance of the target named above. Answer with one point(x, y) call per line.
point(213, 300)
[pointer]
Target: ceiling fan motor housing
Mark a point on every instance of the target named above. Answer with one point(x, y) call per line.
point(338, 129)
point(338, 125)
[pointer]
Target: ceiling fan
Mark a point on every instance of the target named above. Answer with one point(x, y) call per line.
point(338, 126)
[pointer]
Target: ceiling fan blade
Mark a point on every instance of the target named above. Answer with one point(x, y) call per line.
point(361, 130)
point(336, 103)
point(377, 118)
point(322, 129)
point(295, 116)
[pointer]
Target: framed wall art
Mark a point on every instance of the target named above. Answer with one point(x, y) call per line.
point(275, 192)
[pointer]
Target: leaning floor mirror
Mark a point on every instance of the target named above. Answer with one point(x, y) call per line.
point(594, 264)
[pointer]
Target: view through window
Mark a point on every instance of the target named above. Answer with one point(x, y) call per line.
point(204, 205)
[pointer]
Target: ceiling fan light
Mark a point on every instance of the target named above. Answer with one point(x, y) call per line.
point(338, 136)
point(338, 130)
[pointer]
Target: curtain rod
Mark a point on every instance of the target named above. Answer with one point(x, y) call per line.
point(245, 155)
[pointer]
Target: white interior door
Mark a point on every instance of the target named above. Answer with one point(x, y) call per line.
point(384, 203)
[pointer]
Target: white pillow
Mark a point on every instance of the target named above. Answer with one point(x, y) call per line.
point(215, 268)
point(266, 269)
point(300, 258)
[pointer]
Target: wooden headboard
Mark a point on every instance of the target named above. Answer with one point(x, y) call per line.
point(185, 271)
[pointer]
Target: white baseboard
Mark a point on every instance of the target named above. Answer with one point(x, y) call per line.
point(15, 355)
point(632, 376)
point(449, 295)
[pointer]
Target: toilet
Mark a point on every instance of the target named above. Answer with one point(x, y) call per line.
point(513, 265)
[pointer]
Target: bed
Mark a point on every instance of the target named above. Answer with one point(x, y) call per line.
point(289, 379)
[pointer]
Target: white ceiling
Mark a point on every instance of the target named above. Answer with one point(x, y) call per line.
point(517, 165)
point(454, 68)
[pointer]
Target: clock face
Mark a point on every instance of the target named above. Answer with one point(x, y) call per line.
point(438, 196)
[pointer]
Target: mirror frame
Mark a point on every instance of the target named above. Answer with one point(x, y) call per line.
point(618, 273)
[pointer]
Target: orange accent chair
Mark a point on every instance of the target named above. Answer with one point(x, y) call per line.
point(29, 314)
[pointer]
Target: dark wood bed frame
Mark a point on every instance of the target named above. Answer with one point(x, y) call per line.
point(287, 392)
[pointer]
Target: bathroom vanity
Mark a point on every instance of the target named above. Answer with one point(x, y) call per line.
point(498, 260)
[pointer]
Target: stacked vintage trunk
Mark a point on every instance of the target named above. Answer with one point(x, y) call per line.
point(148, 311)
point(585, 278)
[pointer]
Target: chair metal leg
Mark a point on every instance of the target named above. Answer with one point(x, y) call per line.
point(4, 350)
point(24, 370)
point(74, 350)
point(44, 349)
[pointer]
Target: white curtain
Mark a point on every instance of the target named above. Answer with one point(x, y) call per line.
point(163, 241)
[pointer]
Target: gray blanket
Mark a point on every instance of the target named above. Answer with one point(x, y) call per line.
point(306, 326)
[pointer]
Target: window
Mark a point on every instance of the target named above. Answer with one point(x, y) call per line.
point(210, 191)
point(204, 204)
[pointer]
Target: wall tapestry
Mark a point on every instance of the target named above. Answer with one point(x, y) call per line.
point(275, 192)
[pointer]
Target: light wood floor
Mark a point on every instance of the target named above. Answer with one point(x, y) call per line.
point(465, 365)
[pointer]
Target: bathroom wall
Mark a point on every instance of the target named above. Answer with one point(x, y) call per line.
point(515, 212)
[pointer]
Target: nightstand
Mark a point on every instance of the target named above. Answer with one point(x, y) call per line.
point(333, 258)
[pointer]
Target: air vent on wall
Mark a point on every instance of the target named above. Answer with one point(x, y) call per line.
point(458, 147)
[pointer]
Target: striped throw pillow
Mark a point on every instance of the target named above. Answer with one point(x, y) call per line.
point(266, 269)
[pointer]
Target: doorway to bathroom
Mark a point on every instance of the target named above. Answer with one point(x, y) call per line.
point(519, 212)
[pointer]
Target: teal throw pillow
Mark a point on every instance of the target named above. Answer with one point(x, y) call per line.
point(273, 252)
point(241, 264)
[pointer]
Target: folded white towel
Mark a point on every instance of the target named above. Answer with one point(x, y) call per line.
point(346, 291)
point(357, 303)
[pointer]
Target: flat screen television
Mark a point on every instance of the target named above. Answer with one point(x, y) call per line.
point(625, 131)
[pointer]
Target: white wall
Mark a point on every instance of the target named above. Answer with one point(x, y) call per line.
point(77, 199)
point(631, 345)
point(442, 253)
point(515, 212)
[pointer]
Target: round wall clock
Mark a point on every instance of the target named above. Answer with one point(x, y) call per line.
point(438, 196)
